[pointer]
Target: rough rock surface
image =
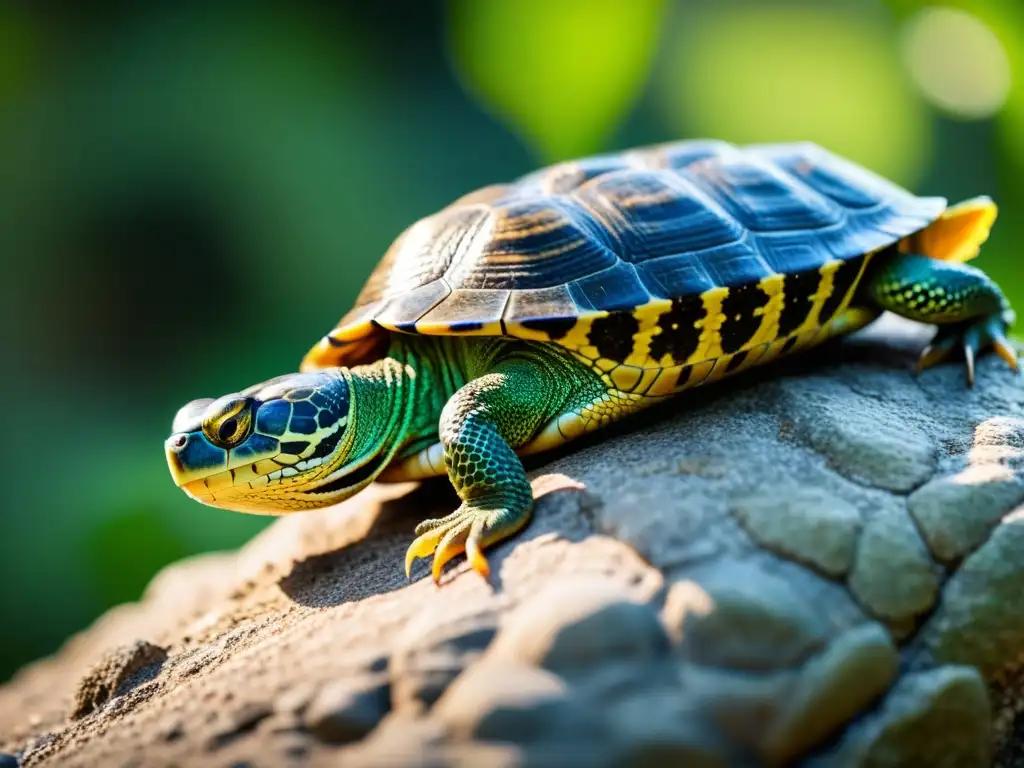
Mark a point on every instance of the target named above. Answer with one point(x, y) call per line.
point(820, 564)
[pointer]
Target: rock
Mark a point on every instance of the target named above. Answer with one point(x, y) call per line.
point(574, 626)
point(346, 710)
point(980, 621)
point(957, 512)
point(938, 718)
point(893, 576)
point(865, 439)
point(805, 524)
point(832, 689)
point(506, 702)
point(429, 657)
point(742, 617)
point(114, 673)
point(787, 569)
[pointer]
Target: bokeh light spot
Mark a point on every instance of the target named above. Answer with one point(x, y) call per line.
point(787, 74)
point(957, 62)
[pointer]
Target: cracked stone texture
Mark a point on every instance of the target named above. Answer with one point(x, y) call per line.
point(821, 564)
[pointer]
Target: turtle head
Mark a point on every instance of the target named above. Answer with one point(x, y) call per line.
point(280, 446)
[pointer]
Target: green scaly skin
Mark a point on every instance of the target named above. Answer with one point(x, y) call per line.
point(514, 389)
point(963, 301)
point(482, 399)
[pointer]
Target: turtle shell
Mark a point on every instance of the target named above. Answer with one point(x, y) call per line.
point(629, 256)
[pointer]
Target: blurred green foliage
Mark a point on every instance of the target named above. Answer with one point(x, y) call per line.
point(193, 193)
point(562, 73)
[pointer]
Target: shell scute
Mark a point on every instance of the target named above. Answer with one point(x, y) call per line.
point(754, 239)
point(658, 213)
point(763, 198)
point(533, 243)
point(615, 289)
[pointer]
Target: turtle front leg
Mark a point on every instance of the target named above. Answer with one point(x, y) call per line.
point(481, 426)
point(963, 301)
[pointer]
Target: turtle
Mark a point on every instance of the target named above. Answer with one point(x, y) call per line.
point(526, 314)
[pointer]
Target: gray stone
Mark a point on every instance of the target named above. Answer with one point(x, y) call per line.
point(571, 627)
point(809, 525)
point(742, 618)
point(980, 620)
point(938, 718)
point(893, 576)
point(429, 657)
point(781, 715)
point(769, 646)
point(957, 512)
point(864, 439)
point(662, 727)
point(347, 709)
point(507, 702)
point(832, 689)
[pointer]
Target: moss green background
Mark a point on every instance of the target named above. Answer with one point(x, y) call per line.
point(192, 193)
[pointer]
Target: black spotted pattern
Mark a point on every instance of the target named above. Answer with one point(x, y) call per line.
point(740, 322)
point(679, 336)
point(675, 215)
point(798, 293)
point(613, 335)
point(842, 281)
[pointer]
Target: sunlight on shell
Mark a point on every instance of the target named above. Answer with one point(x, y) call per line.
point(957, 62)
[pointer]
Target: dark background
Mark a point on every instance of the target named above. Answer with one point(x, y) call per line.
point(191, 194)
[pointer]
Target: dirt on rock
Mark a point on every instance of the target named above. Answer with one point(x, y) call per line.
point(820, 564)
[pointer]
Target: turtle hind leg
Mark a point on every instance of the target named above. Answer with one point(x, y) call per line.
point(969, 308)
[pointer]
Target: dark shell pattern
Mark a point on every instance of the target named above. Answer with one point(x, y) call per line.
point(664, 256)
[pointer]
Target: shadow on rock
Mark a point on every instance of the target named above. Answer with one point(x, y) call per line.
point(374, 564)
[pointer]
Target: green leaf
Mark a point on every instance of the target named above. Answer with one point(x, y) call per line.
point(562, 73)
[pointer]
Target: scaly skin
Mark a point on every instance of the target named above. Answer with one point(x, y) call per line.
point(481, 427)
point(469, 406)
point(967, 305)
point(480, 399)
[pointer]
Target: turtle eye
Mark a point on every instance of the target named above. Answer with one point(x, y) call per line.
point(230, 424)
point(227, 429)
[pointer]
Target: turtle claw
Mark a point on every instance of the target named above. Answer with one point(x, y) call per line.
point(973, 338)
point(469, 529)
point(449, 537)
point(1002, 347)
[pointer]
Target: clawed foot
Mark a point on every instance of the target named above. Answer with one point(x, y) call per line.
point(973, 338)
point(469, 529)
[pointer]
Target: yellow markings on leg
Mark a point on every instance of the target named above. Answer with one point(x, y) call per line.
point(599, 413)
point(958, 234)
